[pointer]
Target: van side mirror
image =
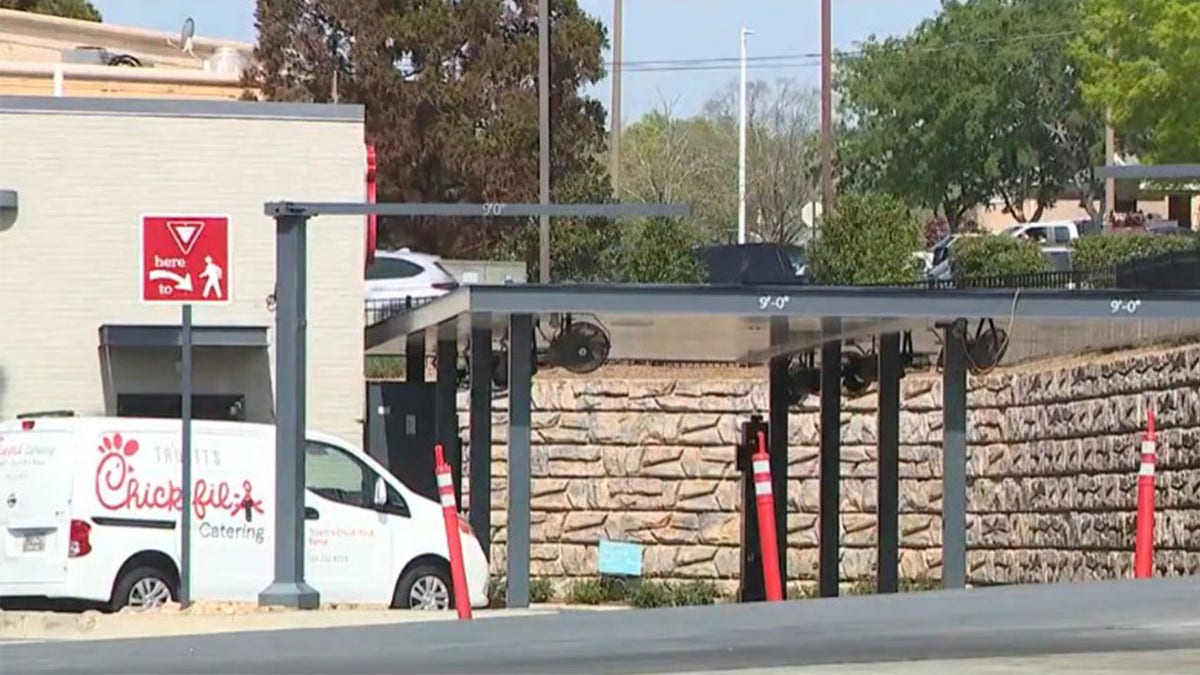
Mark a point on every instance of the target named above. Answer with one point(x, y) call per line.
point(380, 497)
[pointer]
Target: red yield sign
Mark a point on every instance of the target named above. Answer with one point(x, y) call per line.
point(185, 259)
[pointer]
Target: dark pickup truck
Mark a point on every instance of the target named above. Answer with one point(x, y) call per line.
point(753, 264)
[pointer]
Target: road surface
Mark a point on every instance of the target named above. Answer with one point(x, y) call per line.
point(1117, 622)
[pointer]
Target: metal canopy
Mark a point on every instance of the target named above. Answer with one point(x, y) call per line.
point(755, 325)
point(728, 324)
point(1150, 171)
point(488, 210)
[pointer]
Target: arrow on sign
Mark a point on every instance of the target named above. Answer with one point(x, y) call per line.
point(182, 283)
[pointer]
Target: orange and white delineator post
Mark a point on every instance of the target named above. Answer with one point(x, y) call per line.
point(458, 575)
point(1143, 552)
point(765, 501)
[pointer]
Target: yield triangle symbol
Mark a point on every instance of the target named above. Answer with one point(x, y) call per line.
point(185, 233)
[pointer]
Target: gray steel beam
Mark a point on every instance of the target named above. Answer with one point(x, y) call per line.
point(446, 393)
point(1150, 172)
point(777, 411)
point(831, 463)
point(481, 431)
point(954, 457)
point(888, 474)
point(291, 272)
point(520, 403)
point(490, 210)
point(185, 417)
point(414, 357)
point(850, 303)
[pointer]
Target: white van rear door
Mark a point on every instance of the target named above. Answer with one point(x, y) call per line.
point(35, 504)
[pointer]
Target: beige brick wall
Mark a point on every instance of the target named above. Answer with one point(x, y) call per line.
point(69, 263)
point(1051, 473)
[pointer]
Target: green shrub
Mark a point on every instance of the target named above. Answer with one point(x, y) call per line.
point(498, 592)
point(616, 589)
point(694, 593)
point(920, 584)
point(1103, 251)
point(541, 590)
point(586, 592)
point(650, 594)
point(801, 591)
point(861, 587)
point(662, 252)
point(868, 239)
point(995, 255)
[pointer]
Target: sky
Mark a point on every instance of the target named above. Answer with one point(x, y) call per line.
point(655, 31)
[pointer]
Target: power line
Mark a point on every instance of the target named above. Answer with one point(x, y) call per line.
point(810, 59)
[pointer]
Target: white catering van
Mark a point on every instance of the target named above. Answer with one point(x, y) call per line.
point(89, 510)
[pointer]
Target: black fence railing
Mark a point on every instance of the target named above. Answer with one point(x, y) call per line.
point(1064, 279)
point(378, 311)
point(1174, 270)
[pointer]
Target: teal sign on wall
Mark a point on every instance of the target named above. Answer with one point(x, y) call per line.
point(619, 558)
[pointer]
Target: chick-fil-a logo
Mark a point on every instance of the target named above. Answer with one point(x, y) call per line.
point(117, 488)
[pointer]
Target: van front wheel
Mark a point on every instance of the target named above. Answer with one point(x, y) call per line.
point(425, 587)
point(143, 588)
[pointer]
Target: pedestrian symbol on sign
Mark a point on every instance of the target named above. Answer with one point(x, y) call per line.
point(212, 277)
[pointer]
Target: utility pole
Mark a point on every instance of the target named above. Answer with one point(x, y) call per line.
point(615, 134)
point(1110, 154)
point(826, 109)
point(742, 105)
point(544, 138)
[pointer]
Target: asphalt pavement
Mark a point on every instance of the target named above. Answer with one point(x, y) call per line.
point(1022, 624)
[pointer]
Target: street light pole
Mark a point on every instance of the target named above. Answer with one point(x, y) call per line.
point(742, 144)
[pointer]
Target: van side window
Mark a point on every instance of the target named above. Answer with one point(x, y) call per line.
point(340, 477)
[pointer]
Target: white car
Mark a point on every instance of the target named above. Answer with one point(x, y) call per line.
point(90, 511)
point(397, 276)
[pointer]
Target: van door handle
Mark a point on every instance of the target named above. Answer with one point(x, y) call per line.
point(310, 513)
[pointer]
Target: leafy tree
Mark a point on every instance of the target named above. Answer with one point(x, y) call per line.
point(663, 252)
point(71, 9)
point(976, 103)
point(1142, 58)
point(451, 96)
point(989, 255)
point(694, 160)
point(782, 152)
point(867, 240)
point(668, 159)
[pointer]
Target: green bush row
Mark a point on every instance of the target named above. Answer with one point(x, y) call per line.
point(1102, 251)
point(992, 255)
point(996, 255)
point(640, 593)
point(647, 593)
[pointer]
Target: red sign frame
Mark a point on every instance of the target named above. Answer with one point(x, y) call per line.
point(184, 259)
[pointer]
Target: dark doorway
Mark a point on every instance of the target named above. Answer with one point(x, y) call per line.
point(222, 407)
point(401, 431)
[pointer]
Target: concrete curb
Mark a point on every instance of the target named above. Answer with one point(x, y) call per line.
point(92, 625)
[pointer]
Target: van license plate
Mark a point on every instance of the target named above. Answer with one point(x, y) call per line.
point(34, 543)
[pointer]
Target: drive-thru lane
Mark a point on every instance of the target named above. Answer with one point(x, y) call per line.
point(1009, 622)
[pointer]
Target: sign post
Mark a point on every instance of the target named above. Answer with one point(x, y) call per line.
point(176, 250)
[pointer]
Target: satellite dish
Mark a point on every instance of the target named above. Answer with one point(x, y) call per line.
point(187, 33)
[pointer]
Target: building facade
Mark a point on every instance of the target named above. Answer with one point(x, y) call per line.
point(43, 55)
point(78, 173)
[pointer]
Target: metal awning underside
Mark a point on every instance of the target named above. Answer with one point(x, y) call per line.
point(750, 324)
